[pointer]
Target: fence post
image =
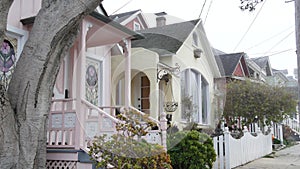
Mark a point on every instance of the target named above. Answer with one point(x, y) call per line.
point(280, 130)
point(227, 146)
point(163, 127)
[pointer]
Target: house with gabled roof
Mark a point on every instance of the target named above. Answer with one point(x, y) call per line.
point(234, 66)
point(279, 78)
point(133, 20)
point(260, 68)
point(173, 63)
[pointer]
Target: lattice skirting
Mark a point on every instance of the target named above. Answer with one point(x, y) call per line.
point(61, 164)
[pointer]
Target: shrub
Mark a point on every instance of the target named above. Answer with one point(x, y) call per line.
point(194, 150)
point(127, 150)
point(127, 153)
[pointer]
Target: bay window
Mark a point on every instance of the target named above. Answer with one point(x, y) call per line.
point(194, 97)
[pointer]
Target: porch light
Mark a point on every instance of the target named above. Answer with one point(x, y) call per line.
point(169, 105)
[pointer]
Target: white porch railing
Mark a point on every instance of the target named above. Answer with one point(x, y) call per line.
point(233, 152)
point(293, 124)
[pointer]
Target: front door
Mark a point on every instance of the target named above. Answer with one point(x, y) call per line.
point(145, 92)
point(141, 86)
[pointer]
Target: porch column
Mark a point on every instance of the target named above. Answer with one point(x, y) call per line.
point(80, 86)
point(126, 44)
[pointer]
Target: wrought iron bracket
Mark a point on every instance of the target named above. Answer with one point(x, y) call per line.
point(164, 70)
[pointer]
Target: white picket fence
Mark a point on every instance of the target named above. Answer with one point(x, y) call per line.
point(233, 152)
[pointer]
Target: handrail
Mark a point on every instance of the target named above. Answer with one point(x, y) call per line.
point(142, 113)
point(101, 111)
point(62, 100)
point(110, 107)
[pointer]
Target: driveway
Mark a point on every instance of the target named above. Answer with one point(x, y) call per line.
point(288, 158)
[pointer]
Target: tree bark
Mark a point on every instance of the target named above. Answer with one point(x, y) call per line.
point(30, 90)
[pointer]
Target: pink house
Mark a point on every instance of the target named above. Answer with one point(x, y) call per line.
point(82, 106)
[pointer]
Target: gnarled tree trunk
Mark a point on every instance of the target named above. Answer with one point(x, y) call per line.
point(26, 104)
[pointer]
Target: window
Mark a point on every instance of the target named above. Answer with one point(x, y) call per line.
point(93, 81)
point(136, 26)
point(8, 59)
point(194, 97)
point(195, 39)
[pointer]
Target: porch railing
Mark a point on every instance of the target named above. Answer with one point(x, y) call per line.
point(61, 123)
point(70, 126)
point(97, 121)
point(293, 124)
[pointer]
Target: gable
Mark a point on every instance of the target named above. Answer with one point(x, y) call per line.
point(239, 71)
point(264, 64)
point(129, 19)
point(234, 64)
point(136, 22)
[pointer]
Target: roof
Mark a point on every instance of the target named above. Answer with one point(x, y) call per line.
point(167, 39)
point(122, 16)
point(220, 65)
point(261, 61)
point(229, 62)
point(218, 52)
point(122, 28)
point(284, 71)
point(98, 16)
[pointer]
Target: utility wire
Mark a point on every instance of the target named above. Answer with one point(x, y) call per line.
point(122, 7)
point(280, 41)
point(202, 9)
point(272, 53)
point(208, 11)
point(281, 52)
point(264, 41)
point(250, 26)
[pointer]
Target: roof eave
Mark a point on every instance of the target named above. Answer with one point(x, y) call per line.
point(96, 15)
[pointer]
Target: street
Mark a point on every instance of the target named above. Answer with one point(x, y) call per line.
point(288, 158)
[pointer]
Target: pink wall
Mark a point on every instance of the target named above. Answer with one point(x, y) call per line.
point(22, 9)
point(130, 25)
point(238, 71)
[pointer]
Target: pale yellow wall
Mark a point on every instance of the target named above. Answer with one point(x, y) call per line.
point(185, 58)
point(142, 60)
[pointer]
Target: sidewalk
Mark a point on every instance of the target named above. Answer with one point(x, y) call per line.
point(288, 158)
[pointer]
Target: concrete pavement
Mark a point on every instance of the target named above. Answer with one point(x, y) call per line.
point(288, 158)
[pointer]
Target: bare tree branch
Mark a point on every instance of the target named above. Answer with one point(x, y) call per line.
point(249, 4)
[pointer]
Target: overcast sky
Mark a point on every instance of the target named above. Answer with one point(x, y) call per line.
point(267, 31)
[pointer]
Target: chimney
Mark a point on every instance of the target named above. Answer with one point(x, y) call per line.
point(160, 19)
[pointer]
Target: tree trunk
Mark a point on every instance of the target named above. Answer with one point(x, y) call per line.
point(29, 94)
